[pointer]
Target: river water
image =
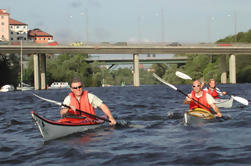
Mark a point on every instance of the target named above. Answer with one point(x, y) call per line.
point(155, 135)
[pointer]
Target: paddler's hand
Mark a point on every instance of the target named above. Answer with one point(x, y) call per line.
point(219, 114)
point(73, 108)
point(113, 121)
point(188, 99)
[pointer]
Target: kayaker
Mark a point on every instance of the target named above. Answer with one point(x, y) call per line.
point(79, 99)
point(213, 90)
point(203, 97)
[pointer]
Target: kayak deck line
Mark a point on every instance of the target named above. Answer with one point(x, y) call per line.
point(69, 121)
point(198, 116)
point(55, 129)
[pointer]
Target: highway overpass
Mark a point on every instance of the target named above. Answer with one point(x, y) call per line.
point(39, 54)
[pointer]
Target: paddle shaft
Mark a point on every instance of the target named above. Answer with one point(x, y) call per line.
point(174, 88)
point(94, 116)
point(61, 104)
point(196, 100)
point(236, 98)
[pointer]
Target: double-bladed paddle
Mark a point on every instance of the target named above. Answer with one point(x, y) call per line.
point(124, 123)
point(173, 87)
point(61, 104)
point(236, 98)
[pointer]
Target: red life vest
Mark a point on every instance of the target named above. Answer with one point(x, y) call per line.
point(83, 105)
point(202, 100)
point(213, 93)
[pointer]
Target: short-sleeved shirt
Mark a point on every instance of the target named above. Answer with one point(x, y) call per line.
point(93, 100)
point(210, 99)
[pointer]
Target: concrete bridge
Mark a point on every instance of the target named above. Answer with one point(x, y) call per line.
point(39, 55)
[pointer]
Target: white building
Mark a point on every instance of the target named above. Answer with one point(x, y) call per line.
point(18, 30)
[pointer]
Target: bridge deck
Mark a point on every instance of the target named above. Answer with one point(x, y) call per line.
point(96, 49)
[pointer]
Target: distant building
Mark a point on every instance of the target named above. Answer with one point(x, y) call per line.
point(18, 30)
point(39, 36)
point(4, 25)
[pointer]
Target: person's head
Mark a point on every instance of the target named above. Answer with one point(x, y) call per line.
point(196, 86)
point(76, 86)
point(211, 83)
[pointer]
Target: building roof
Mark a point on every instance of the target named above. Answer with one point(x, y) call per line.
point(15, 22)
point(37, 32)
point(3, 12)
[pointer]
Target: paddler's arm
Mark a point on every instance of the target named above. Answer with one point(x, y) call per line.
point(64, 110)
point(106, 110)
point(97, 102)
point(211, 102)
point(222, 93)
point(216, 109)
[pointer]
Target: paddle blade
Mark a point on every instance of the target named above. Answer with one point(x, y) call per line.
point(164, 82)
point(183, 75)
point(51, 101)
point(240, 100)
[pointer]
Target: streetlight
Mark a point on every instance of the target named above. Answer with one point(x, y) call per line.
point(21, 57)
point(209, 28)
point(86, 24)
point(162, 25)
point(139, 27)
point(235, 24)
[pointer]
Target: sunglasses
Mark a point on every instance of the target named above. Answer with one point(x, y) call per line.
point(77, 87)
point(196, 86)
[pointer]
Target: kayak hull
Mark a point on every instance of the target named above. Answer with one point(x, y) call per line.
point(224, 103)
point(198, 116)
point(66, 126)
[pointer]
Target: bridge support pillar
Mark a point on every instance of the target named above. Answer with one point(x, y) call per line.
point(43, 71)
point(36, 72)
point(223, 70)
point(232, 69)
point(136, 70)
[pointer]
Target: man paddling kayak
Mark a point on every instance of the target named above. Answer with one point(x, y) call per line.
point(205, 100)
point(213, 91)
point(79, 99)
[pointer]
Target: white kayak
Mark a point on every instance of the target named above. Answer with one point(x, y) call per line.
point(63, 127)
point(224, 103)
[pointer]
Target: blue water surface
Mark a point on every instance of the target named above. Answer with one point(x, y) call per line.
point(156, 134)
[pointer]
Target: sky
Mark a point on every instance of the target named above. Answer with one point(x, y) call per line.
point(184, 21)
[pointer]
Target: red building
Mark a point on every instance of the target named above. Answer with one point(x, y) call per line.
point(39, 36)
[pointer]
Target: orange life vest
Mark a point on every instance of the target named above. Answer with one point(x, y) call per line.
point(213, 93)
point(202, 100)
point(83, 105)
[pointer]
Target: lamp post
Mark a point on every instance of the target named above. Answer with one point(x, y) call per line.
point(139, 27)
point(86, 24)
point(21, 53)
point(209, 28)
point(162, 35)
point(235, 24)
point(21, 59)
